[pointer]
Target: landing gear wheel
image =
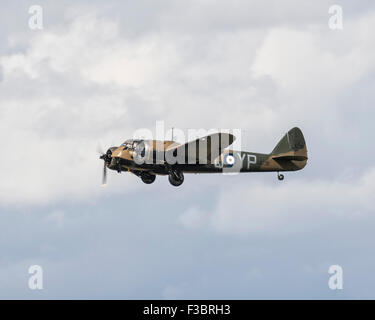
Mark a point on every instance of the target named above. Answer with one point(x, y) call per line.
point(176, 178)
point(280, 177)
point(148, 178)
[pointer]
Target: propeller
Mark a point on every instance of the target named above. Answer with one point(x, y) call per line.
point(107, 158)
point(104, 178)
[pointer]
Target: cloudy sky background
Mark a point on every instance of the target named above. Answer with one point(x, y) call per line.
point(99, 71)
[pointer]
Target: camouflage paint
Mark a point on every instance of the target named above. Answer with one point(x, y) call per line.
point(290, 154)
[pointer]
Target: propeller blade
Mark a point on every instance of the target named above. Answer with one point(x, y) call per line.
point(104, 179)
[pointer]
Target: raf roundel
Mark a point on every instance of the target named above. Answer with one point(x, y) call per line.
point(229, 160)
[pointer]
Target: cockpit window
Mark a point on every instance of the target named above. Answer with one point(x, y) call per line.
point(131, 144)
point(127, 144)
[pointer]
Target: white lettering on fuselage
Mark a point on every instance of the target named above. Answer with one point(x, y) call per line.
point(241, 158)
point(251, 159)
point(249, 162)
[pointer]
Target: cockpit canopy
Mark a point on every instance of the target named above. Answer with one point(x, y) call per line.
point(131, 144)
point(135, 145)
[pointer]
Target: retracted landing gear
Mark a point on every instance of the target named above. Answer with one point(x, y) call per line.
point(280, 176)
point(176, 178)
point(145, 176)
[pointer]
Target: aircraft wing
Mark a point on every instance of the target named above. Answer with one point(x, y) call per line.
point(204, 149)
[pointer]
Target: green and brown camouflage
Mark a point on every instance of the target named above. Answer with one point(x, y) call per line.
point(147, 158)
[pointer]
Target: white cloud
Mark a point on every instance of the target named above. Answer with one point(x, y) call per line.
point(83, 81)
point(61, 98)
point(306, 63)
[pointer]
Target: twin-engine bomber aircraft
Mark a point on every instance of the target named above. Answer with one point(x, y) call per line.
point(148, 158)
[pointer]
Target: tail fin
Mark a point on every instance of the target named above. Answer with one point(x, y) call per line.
point(291, 147)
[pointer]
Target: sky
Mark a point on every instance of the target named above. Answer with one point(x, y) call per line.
point(98, 71)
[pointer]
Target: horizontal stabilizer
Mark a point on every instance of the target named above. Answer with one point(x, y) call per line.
point(290, 157)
